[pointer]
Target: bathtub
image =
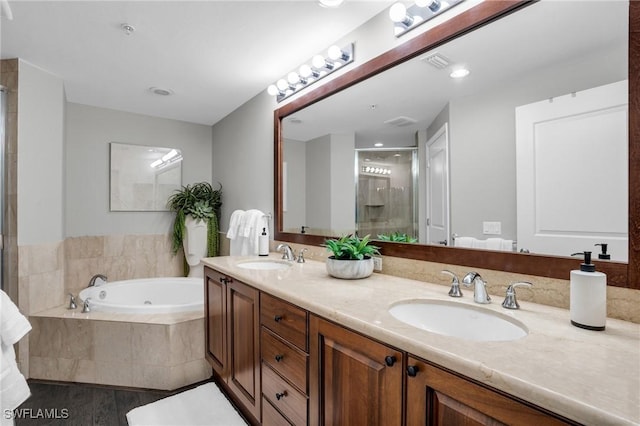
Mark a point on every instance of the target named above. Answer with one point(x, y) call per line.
point(147, 296)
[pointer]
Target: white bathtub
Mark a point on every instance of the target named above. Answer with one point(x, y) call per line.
point(147, 295)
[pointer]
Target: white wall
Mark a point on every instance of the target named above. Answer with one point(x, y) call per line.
point(41, 103)
point(294, 154)
point(89, 130)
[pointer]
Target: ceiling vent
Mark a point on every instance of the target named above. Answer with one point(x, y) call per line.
point(436, 60)
point(401, 121)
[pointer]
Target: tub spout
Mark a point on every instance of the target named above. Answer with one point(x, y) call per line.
point(92, 281)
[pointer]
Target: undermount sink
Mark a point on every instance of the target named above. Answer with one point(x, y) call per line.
point(458, 320)
point(264, 264)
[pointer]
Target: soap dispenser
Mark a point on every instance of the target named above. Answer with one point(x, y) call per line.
point(603, 255)
point(263, 243)
point(588, 296)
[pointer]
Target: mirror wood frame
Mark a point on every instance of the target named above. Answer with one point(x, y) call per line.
point(618, 274)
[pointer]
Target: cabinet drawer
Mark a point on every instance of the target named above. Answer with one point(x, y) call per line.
point(287, 399)
point(284, 319)
point(290, 362)
point(271, 416)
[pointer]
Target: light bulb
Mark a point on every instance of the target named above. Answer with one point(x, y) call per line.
point(282, 84)
point(272, 90)
point(335, 53)
point(318, 61)
point(459, 73)
point(293, 77)
point(398, 12)
point(305, 71)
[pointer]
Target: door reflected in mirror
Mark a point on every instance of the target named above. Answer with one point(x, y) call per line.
point(143, 177)
point(582, 48)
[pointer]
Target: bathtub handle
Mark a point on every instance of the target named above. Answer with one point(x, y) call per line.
point(85, 307)
point(225, 280)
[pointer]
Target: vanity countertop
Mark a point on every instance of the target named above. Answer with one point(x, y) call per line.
point(592, 377)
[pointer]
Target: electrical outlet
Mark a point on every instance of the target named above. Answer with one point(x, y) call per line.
point(377, 264)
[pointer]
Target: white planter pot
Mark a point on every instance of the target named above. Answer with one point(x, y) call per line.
point(349, 269)
point(195, 245)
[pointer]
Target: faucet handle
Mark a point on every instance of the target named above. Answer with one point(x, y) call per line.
point(510, 301)
point(72, 302)
point(455, 284)
point(86, 308)
point(301, 258)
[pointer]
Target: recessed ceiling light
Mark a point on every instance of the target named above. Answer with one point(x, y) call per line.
point(160, 91)
point(330, 3)
point(459, 73)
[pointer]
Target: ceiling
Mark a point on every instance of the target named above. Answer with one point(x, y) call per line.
point(213, 55)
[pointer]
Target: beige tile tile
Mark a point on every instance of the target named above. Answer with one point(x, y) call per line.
point(115, 373)
point(150, 344)
point(189, 373)
point(46, 290)
point(186, 341)
point(45, 258)
point(62, 369)
point(61, 338)
point(112, 341)
point(78, 272)
point(85, 247)
point(152, 376)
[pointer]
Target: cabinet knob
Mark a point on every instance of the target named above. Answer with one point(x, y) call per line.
point(412, 370)
point(281, 395)
point(279, 357)
point(277, 318)
point(224, 280)
point(390, 360)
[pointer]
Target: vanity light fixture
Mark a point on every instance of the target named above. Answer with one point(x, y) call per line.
point(320, 67)
point(330, 3)
point(406, 18)
point(378, 144)
point(373, 170)
point(169, 158)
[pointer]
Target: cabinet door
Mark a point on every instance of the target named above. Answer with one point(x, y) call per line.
point(350, 381)
point(244, 345)
point(437, 397)
point(216, 321)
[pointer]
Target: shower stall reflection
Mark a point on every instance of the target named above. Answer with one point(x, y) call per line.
point(386, 200)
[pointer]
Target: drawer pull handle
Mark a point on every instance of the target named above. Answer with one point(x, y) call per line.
point(390, 360)
point(277, 318)
point(279, 357)
point(412, 370)
point(279, 396)
point(224, 280)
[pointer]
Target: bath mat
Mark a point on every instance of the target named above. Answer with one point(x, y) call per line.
point(201, 406)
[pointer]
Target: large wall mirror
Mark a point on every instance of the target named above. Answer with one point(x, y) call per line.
point(556, 55)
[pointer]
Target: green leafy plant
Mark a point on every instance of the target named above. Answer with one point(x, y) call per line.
point(397, 237)
point(202, 202)
point(351, 247)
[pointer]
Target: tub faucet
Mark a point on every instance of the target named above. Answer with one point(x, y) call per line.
point(85, 307)
point(287, 252)
point(480, 294)
point(92, 281)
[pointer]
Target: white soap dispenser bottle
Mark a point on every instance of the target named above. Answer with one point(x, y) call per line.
point(588, 296)
point(263, 243)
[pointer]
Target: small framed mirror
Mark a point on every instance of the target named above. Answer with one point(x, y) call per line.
point(141, 178)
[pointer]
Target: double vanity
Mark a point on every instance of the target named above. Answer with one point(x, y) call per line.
point(291, 345)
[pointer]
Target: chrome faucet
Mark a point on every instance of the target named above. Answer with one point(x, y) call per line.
point(510, 301)
point(85, 307)
point(287, 252)
point(455, 284)
point(480, 294)
point(92, 281)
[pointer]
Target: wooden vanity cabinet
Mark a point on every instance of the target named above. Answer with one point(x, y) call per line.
point(438, 397)
point(284, 343)
point(353, 379)
point(232, 330)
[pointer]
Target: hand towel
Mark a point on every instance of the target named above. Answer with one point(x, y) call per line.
point(13, 326)
point(494, 244)
point(234, 224)
point(464, 242)
point(254, 221)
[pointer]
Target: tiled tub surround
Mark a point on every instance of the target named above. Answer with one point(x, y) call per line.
point(163, 351)
point(622, 303)
point(588, 376)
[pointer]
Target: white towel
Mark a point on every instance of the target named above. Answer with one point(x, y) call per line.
point(13, 326)
point(494, 243)
point(506, 245)
point(234, 224)
point(464, 242)
point(247, 234)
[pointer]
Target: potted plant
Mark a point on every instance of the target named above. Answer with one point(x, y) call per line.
point(352, 257)
point(197, 202)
